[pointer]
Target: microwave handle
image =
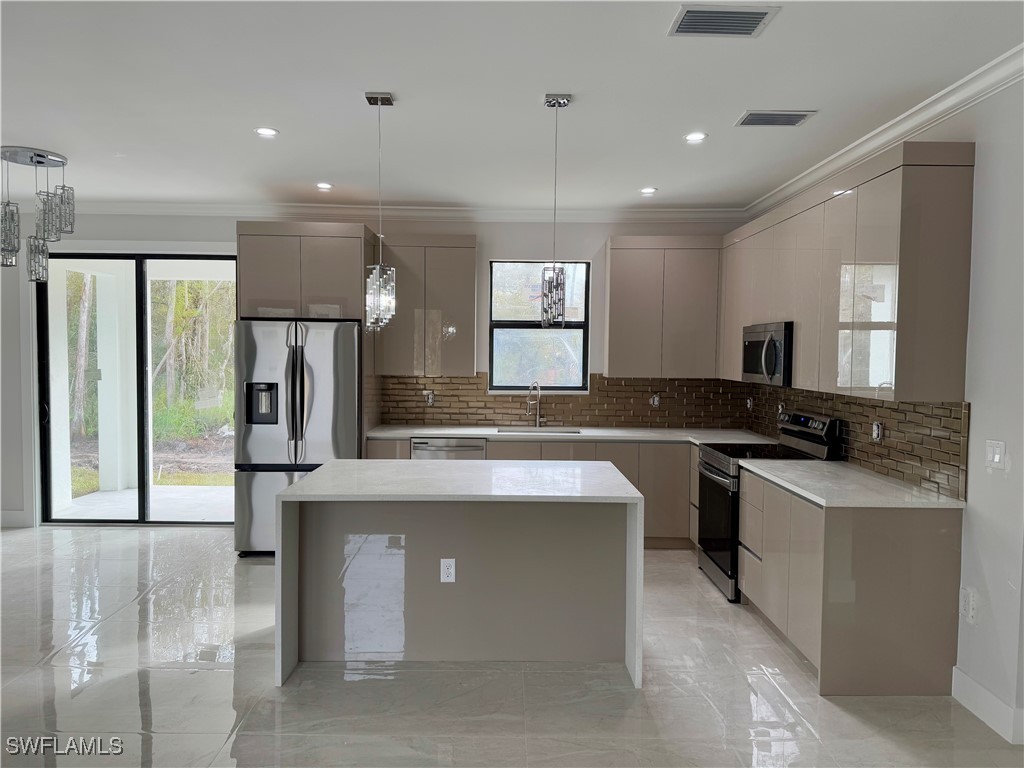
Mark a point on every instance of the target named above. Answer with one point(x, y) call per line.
point(764, 359)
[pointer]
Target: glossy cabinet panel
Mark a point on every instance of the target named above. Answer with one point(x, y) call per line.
point(751, 527)
point(514, 451)
point(775, 557)
point(332, 277)
point(752, 489)
point(625, 457)
point(450, 311)
point(876, 287)
point(388, 449)
point(664, 480)
point(836, 293)
point(750, 576)
point(568, 451)
point(399, 350)
point(694, 521)
point(694, 482)
point(634, 306)
point(806, 574)
point(797, 250)
point(268, 276)
point(730, 331)
point(690, 314)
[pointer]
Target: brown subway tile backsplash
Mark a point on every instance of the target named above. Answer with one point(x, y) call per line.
point(922, 443)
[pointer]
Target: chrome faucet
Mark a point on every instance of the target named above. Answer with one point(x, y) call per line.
point(530, 402)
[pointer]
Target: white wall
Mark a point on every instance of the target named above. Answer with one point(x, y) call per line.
point(989, 664)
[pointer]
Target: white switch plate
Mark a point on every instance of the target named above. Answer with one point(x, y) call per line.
point(447, 569)
point(969, 604)
point(995, 454)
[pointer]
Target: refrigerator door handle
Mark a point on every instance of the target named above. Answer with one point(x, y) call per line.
point(305, 400)
point(290, 395)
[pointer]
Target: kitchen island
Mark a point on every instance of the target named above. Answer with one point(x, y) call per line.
point(548, 564)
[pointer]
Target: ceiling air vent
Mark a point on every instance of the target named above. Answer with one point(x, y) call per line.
point(722, 20)
point(787, 117)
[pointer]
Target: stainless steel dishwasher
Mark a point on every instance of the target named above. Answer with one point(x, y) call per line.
point(460, 448)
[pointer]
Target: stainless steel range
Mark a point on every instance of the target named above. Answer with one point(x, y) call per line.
point(801, 436)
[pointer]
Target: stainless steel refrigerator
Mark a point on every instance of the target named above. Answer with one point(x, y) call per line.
point(296, 407)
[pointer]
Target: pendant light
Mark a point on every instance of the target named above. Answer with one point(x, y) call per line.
point(380, 283)
point(55, 211)
point(552, 278)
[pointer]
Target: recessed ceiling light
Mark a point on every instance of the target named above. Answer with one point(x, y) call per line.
point(696, 137)
point(648, 191)
point(323, 186)
point(266, 133)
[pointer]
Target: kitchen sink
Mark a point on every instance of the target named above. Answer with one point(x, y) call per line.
point(541, 430)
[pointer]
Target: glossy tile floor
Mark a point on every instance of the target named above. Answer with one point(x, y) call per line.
point(163, 638)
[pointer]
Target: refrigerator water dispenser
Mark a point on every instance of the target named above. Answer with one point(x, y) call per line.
point(261, 403)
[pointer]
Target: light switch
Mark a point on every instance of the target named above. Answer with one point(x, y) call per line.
point(995, 454)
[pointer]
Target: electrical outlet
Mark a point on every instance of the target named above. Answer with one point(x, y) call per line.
point(447, 569)
point(969, 604)
point(876, 431)
point(995, 454)
point(655, 400)
point(782, 407)
point(750, 403)
point(428, 395)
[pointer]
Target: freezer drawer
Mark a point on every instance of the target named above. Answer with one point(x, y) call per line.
point(255, 506)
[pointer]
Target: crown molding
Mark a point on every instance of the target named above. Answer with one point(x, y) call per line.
point(998, 74)
point(410, 213)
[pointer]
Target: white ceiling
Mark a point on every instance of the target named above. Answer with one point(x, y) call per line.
point(156, 102)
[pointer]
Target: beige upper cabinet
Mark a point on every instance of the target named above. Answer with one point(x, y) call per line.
point(399, 344)
point(450, 311)
point(302, 269)
point(689, 314)
point(433, 332)
point(332, 277)
point(796, 278)
point(903, 303)
point(730, 340)
point(634, 336)
point(268, 276)
point(662, 311)
point(836, 295)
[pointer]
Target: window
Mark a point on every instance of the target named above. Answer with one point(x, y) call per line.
point(521, 351)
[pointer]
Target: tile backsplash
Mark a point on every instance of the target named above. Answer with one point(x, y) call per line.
point(922, 443)
point(610, 403)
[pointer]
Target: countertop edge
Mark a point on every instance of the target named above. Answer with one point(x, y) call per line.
point(942, 502)
point(462, 497)
point(628, 434)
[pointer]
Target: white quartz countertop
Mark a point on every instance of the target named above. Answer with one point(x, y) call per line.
point(386, 480)
point(837, 484)
point(623, 434)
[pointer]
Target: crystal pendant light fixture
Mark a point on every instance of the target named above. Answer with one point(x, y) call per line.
point(552, 280)
point(380, 283)
point(55, 211)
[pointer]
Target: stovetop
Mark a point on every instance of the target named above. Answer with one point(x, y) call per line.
point(755, 451)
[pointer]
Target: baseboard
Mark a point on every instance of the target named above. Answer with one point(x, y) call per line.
point(989, 708)
point(16, 518)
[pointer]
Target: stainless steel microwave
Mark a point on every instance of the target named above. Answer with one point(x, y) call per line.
point(768, 354)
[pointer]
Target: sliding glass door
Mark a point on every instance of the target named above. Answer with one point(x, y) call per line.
point(191, 313)
point(136, 383)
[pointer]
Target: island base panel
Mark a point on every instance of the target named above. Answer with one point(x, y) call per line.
point(534, 581)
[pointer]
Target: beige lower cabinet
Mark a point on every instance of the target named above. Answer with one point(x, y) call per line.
point(388, 449)
point(750, 576)
point(625, 457)
point(514, 450)
point(694, 523)
point(751, 527)
point(568, 451)
point(775, 556)
point(806, 563)
point(664, 480)
point(868, 595)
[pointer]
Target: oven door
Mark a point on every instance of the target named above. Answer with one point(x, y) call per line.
point(719, 522)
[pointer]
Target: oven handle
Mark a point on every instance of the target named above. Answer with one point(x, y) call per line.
point(730, 483)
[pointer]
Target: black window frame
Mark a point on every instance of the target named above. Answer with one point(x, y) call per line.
point(535, 324)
